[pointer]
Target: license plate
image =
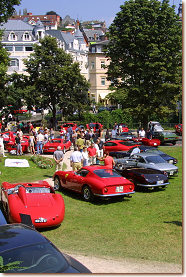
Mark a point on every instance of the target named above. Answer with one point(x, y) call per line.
point(119, 189)
point(160, 182)
point(51, 148)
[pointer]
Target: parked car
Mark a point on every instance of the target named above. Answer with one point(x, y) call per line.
point(69, 124)
point(91, 181)
point(124, 127)
point(52, 145)
point(166, 137)
point(145, 177)
point(178, 129)
point(94, 125)
point(149, 160)
point(149, 142)
point(125, 136)
point(24, 143)
point(118, 145)
point(33, 252)
point(7, 136)
point(157, 126)
point(38, 200)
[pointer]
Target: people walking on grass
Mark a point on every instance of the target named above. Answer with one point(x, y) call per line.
point(76, 159)
point(58, 157)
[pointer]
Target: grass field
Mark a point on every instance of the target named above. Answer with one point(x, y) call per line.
point(147, 226)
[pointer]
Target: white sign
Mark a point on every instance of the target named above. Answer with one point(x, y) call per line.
point(16, 163)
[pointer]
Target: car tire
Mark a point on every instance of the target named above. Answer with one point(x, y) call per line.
point(57, 183)
point(64, 150)
point(87, 193)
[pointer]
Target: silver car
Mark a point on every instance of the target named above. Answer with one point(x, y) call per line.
point(148, 160)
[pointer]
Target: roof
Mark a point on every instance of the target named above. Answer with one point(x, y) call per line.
point(16, 25)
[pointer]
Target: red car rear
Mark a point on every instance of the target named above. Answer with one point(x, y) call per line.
point(51, 146)
point(118, 145)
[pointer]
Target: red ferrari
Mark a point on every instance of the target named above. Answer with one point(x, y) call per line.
point(52, 145)
point(37, 200)
point(67, 125)
point(148, 142)
point(118, 145)
point(24, 143)
point(95, 126)
point(91, 181)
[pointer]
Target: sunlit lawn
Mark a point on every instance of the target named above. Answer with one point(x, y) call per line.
point(147, 226)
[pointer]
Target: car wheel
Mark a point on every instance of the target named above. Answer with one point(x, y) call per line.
point(57, 183)
point(64, 150)
point(87, 193)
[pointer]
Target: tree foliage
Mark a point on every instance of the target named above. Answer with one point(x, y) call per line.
point(145, 49)
point(56, 78)
point(7, 9)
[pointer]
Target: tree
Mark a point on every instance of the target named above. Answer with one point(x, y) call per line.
point(7, 9)
point(145, 50)
point(57, 80)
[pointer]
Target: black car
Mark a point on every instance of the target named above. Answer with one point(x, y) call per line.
point(144, 177)
point(33, 253)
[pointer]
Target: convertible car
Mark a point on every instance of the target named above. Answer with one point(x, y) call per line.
point(38, 200)
point(25, 250)
point(93, 181)
point(118, 145)
point(144, 177)
point(52, 145)
point(149, 160)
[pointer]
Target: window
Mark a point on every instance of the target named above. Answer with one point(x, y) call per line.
point(93, 49)
point(26, 36)
point(103, 81)
point(9, 48)
point(12, 36)
point(28, 48)
point(18, 48)
point(14, 62)
point(92, 65)
point(102, 64)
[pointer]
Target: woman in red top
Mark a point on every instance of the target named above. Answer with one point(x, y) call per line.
point(108, 160)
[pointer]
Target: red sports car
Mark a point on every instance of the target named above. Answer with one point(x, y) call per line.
point(69, 124)
point(52, 145)
point(178, 129)
point(24, 143)
point(93, 181)
point(38, 200)
point(7, 136)
point(118, 145)
point(95, 126)
point(148, 142)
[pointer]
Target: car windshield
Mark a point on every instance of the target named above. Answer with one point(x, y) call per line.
point(106, 173)
point(92, 125)
point(55, 141)
point(68, 125)
point(167, 134)
point(155, 151)
point(155, 159)
point(37, 258)
point(30, 190)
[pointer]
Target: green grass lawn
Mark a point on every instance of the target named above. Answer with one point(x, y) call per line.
point(147, 226)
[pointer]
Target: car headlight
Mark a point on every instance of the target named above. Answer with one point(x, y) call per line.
point(171, 161)
point(40, 220)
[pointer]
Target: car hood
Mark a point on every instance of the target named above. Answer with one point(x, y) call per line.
point(164, 166)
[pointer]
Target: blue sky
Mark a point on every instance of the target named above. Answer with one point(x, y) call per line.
point(78, 9)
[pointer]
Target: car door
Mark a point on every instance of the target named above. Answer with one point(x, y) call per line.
point(110, 146)
point(78, 179)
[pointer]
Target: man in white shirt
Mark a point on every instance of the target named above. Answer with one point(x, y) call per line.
point(39, 143)
point(2, 150)
point(142, 133)
point(76, 159)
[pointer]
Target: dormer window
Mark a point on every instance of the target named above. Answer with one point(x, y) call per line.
point(26, 36)
point(12, 36)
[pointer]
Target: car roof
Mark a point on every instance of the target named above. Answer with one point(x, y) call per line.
point(146, 154)
point(18, 235)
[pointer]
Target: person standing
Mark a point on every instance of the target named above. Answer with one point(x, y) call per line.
point(92, 153)
point(32, 143)
point(58, 157)
point(142, 133)
point(76, 159)
point(85, 156)
point(39, 143)
point(108, 160)
point(135, 150)
point(18, 144)
point(2, 149)
point(80, 142)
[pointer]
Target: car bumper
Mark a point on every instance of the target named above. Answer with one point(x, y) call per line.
point(112, 195)
point(152, 185)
